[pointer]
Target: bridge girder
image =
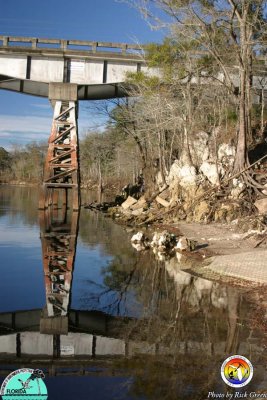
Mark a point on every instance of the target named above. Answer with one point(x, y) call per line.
point(84, 92)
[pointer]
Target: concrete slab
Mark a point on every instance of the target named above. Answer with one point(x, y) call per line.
point(251, 266)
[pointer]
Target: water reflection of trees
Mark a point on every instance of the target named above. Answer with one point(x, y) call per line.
point(193, 325)
point(191, 378)
point(20, 202)
point(95, 229)
point(116, 295)
point(182, 314)
point(176, 306)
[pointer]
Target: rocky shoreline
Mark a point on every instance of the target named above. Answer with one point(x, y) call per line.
point(200, 210)
point(194, 246)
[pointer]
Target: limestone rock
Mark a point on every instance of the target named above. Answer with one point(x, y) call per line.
point(183, 174)
point(238, 187)
point(200, 148)
point(188, 176)
point(126, 213)
point(139, 246)
point(137, 212)
point(128, 202)
point(265, 190)
point(201, 211)
point(155, 239)
point(226, 154)
point(210, 171)
point(162, 202)
point(182, 244)
point(174, 172)
point(139, 241)
point(185, 244)
point(181, 258)
point(163, 241)
point(138, 237)
point(261, 205)
point(141, 203)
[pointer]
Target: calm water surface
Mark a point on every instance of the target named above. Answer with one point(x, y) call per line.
point(106, 322)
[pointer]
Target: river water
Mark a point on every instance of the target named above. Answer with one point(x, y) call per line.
point(106, 322)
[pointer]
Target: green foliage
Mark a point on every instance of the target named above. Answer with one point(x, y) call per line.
point(231, 115)
point(166, 56)
point(162, 54)
point(140, 78)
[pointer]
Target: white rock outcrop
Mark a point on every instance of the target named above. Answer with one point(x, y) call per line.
point(184, 175)
point(226, 154)
point(210, 171)
point(200, 148)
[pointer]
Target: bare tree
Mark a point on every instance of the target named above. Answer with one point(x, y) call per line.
point(230, 34)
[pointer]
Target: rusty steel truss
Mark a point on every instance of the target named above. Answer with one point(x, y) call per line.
point(58, 234)
point(61, 170)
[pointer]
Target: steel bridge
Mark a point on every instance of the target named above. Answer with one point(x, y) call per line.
point(65, 72)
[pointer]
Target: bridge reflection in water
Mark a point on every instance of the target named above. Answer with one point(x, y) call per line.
point(59, 228)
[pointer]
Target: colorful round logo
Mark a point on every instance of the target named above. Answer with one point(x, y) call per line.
point(24, 384)
point(237, 371)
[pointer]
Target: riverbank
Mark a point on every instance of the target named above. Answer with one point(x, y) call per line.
point(233, 251)
point(20, 183)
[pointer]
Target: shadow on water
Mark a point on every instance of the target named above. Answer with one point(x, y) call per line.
point(171, 347)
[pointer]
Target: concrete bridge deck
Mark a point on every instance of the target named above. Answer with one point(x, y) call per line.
point(99, 69)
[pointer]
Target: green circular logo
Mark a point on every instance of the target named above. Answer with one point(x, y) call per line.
point(24, 384)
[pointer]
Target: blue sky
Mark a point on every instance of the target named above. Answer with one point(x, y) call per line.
point(25, 118)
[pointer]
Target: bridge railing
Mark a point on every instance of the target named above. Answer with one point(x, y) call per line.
point(62, 44)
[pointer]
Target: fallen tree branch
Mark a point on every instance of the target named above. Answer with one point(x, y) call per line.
point(214, 188)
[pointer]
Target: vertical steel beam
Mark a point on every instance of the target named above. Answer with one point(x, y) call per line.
point(61, 169)
point(58, 236)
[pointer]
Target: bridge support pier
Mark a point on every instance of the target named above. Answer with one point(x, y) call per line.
point(61, 171)
point(59, 229)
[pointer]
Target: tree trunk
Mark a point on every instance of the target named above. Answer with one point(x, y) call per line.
point(186, 149)
point(240, 158)
point(262, 113)
point(244, 100)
